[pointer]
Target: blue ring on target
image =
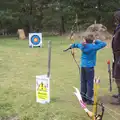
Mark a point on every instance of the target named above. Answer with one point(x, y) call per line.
point(34, 38)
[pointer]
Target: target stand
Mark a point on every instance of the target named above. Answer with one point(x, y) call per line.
point(35, 40)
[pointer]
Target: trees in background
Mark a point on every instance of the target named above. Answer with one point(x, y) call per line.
point(54, 15)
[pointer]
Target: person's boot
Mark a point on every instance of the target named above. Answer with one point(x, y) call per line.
point(117, 101)
point(116, 95)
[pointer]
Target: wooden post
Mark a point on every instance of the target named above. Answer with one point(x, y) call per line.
point(49, 58)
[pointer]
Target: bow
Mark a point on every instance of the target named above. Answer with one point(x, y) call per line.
point(72, 34)
point(83, 105)
point(73, 52)
point(109, 72)
point(73, 41)
point(92, 115)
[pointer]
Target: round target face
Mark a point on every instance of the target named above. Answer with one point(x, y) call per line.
point(35, 39)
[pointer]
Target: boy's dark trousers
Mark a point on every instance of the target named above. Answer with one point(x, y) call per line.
point(87, 83)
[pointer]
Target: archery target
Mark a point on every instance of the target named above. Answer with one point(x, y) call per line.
point(35, 39)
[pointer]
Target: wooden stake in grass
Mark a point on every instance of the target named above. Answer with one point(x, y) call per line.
point(49, 58)
point(109, 72)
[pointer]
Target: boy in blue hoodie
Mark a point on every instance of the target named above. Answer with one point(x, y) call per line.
point(89, 49)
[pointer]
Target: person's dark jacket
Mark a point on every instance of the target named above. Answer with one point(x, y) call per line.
point(116, 53)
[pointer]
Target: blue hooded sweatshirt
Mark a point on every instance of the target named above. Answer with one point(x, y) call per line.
point(89, 50)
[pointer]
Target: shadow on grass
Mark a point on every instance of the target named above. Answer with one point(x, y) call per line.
point(58, 99)
point(12, 117)
point(55, 99)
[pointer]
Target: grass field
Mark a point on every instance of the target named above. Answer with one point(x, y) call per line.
point(19, 65)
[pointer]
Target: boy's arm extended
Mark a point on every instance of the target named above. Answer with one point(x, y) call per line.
point(99, 45)
point(77, 45)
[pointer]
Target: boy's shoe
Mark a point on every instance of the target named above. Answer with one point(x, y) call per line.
point(90, 102)
point(84, 100)
point(115, 96)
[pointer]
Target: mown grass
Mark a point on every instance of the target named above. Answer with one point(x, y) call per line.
point(19, 65)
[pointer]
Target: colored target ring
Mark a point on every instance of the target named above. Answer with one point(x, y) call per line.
point(35, 39)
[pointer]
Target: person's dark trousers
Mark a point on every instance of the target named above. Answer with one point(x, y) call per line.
point(87, 83)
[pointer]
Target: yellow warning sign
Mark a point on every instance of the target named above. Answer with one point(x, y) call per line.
point(42, 89)
point(42, 92)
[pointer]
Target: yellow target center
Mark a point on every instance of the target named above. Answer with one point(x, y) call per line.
point(36, 40)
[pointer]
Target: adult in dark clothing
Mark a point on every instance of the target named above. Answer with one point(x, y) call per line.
point(116, 55)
